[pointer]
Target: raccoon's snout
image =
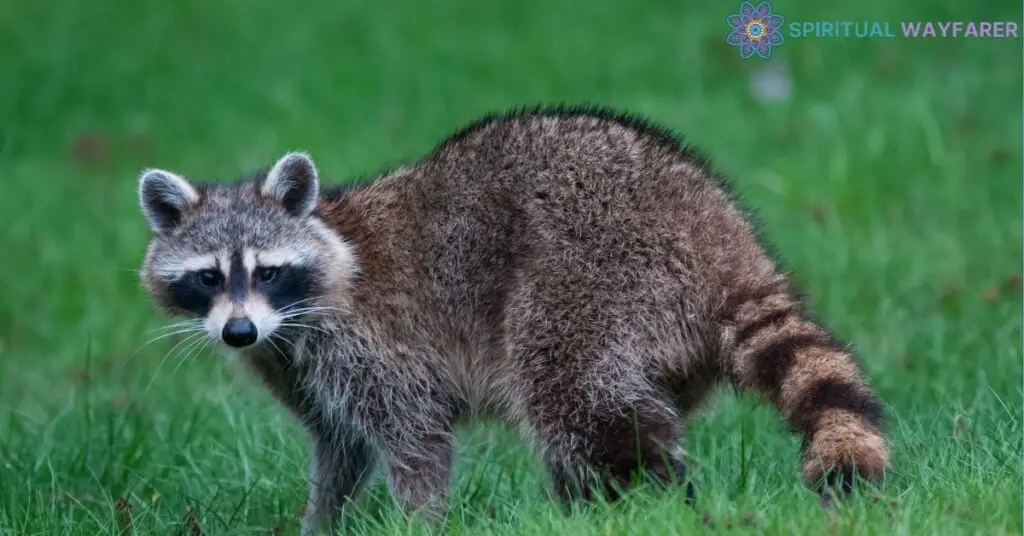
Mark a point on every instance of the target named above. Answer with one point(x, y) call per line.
point(239, 332)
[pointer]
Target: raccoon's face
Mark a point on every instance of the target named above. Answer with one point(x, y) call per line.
point(246, 259)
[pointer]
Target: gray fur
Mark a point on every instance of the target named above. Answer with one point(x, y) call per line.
point(572, 272)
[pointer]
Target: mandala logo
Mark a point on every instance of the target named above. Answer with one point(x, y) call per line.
point(755, 30)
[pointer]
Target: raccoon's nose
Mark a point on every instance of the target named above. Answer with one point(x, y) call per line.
point(239, 332)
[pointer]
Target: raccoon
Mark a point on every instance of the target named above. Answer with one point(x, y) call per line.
point(579, 273)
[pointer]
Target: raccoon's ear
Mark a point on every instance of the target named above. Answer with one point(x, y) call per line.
point(163, 196)
point(293, 182)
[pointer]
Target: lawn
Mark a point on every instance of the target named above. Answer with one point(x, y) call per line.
point(889, 180)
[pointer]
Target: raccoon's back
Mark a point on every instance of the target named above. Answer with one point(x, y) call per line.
point(588, 181)
point(610, 192)
point(566, 156)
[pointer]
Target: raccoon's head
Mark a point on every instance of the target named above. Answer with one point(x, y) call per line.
point(245, 258)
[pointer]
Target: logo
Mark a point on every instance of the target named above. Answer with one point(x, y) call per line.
point(755, 30)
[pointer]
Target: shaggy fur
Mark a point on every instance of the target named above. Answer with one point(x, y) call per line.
point(574, 272)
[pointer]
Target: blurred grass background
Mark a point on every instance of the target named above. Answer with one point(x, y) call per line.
point(889, 177)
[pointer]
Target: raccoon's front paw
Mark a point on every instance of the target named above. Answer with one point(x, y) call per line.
point(310, 522)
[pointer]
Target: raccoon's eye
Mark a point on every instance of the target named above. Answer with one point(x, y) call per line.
point(268, 274)
point(208, 278)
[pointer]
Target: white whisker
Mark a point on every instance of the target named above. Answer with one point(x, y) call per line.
point(304, 326)
point(292, 313)
point(165, 335)
point(206, 344)
point(311, 298)
point(291, 344)
point(270, 340)
point(184, 323)
point(167, 355)
point(191, 350)
point(176, 328)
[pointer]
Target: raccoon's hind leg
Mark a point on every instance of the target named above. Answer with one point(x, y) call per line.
point(599, 433)
point(604, 444)
point(814, 382)
point(582, 351)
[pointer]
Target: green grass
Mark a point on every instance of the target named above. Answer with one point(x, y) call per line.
point(890, 182)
